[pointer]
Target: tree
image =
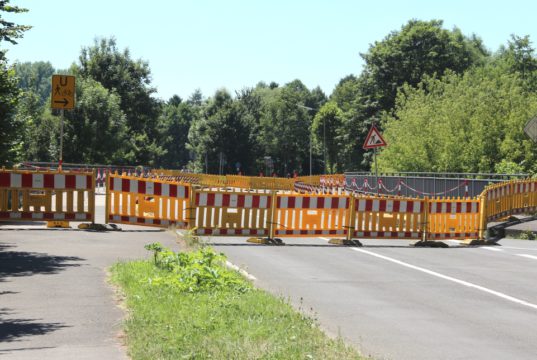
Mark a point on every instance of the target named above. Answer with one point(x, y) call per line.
point(222, 133)
point(461, 123)
point(35, 77)
point(130, 80)
point(327, 127)
point(95, 130)
point(419, 48)
point(177, 118)
point(10, 128)
point(285, 127)
point(519, 58)
point(10, 31)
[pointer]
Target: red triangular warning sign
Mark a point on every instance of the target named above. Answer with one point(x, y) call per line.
point(374, 139)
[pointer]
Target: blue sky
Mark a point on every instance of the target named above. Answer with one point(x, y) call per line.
point(210, 44)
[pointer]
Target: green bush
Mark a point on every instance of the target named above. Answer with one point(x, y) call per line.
point(526, 235)
point(195, 271)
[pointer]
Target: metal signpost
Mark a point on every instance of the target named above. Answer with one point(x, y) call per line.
point(374, 140)
point(63, 97)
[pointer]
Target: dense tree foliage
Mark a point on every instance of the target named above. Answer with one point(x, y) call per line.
point(466, 123)
point(444, 102)
point(11, 126)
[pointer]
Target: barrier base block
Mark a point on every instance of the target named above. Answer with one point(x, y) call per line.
point(99, 227)
point(265, 241)
point(58, 224)
point(345, 242)
point(479, 242)
point(430, 243)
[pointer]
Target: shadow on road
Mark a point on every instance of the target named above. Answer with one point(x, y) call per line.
point(14, 329)
point(22, 263)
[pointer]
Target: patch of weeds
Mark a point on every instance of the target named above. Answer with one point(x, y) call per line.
point(527, 235)
point(194, 271)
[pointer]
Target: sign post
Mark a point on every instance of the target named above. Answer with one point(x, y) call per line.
point(63, 97)
point(374, 140)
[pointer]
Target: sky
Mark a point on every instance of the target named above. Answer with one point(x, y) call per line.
point(232, 44)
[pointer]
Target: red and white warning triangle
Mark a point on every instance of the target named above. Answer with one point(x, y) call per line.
point(374, 139)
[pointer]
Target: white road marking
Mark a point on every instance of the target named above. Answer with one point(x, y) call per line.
point(445, 277)
point(449, 278)
point(490, 248)
point(519, 248)
point(528, 256)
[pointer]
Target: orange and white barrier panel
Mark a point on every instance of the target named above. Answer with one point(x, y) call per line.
point(222, 213)
point(151, 202)
point(307, 215)
point(388, 218)
point(47, 196)
point(453, 219)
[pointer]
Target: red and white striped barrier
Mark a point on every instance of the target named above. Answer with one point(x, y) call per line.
point(233, 200)
point(46, 181)
point(134, 220)
point(311, 232)
point(387, 234)
point(312, 202)
point(149, 187)
point(455, 207)
point(231, 232)
point(44, 216)
point(386, 205)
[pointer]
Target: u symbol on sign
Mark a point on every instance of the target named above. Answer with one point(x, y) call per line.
point(63, 81)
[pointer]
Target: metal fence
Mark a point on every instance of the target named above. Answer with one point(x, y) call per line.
point(421, 184)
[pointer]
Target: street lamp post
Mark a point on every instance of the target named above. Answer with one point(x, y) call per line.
point(311, 134)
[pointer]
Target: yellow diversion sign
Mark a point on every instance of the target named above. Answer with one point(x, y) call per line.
point(63, 92)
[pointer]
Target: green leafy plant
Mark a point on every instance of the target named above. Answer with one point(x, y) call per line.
point(527, 235)
point(196, 271)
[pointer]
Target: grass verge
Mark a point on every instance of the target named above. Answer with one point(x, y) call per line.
point(189, 306)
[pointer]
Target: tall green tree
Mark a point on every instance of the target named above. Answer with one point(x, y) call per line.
point(131, 80)
point(177, 117)
point(222, 133)
point(327, 127)
point(419, 48)
point(95, 129)
point(461, 123)
point(10, 127)
point(35, 77)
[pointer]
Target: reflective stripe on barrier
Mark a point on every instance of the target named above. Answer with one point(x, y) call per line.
point(151, 202)
point(46, 181)
point(47, 196)
point(221, 213)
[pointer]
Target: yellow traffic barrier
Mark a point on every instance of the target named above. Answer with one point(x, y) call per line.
point(143, 201)
point(224, 213)
point(388, 218)
point(453, 218)
point(299, 215)
point(53, 196)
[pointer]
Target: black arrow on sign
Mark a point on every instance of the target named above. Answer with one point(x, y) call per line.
point(64, 102)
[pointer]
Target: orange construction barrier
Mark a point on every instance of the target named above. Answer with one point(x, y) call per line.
point(151, 202)
point(238, 213)
point(47, 196)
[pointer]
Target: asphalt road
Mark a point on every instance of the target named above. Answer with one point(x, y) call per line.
point(55, 302)
point(392, 301)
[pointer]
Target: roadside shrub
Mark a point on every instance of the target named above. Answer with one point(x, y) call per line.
point(196, 271)
point(527, 235)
